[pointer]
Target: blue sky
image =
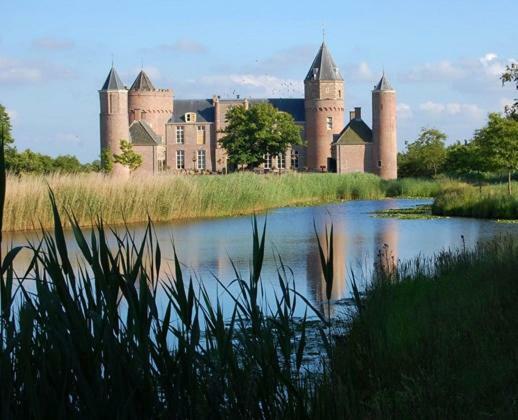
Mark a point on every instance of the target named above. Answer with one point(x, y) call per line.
point(443, 58)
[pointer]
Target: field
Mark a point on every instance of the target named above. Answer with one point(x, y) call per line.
point(166, 198)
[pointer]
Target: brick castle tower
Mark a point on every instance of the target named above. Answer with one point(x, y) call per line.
point(384, 129)
point(151, 105)
point(114, 117)
point(324, 107)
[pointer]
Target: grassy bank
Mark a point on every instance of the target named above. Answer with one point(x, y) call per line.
point(488, 202)
point(120, 338)
point(166, 198)
point(434, 340)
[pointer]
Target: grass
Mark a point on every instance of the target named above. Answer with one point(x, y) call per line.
point(416, 212)
point(434, 339)
point(488, 202)
point(166, 198)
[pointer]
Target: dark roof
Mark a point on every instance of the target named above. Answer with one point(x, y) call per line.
point(383, 84)
point(142, 134)
point(323, 67)
point(356, 132)
point(203, 108)
point(113, 81)
point(292, 106)
point(142, 82)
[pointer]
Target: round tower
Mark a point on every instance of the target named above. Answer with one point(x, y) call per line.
point(114, 117)
point(154, 106)
point(384, 129)
point(324, 107)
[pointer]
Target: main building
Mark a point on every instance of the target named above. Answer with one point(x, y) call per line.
point(183, 134)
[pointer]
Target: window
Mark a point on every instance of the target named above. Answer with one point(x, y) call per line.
point(200, 163)
point(267, 161)
point(179, 135)
point(180, 159)
point(379, 163)
point(200, 134)
point(339, 93)
point(295, 159)
point(281, 161)
point(190, 117)
point(329, 123)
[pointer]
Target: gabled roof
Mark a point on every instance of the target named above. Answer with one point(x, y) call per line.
point(141, 134)
point(142, 82)
point(383, 84)
point(323, 67)
point(356, 132)
point(113, 81)
point(203, 108)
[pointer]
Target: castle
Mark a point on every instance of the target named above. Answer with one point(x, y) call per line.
point(183, 134)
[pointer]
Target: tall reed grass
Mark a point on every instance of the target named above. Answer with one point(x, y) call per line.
point(166, 198)
point(489, 202)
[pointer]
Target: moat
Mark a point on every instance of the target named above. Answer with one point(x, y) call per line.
point(205, 247)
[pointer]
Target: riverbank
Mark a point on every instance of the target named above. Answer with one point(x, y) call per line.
point(168, 198)
point(429, 339)
point(433, 340)
point(488, 202)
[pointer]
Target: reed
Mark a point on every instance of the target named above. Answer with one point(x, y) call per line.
point(166, 198)
point(488, 202)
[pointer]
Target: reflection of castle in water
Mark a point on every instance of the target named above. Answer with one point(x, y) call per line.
point(347, 241)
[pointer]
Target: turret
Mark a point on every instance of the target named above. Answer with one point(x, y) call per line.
point(114, 117)
point(384, 129)
point(155, 106)
point(324, 106)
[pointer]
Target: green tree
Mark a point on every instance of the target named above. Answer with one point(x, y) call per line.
point(498, 143)
point(511, 76)
point(128, 156)
point(252, 133)
point(68, 164)
point(106, 161)
point(425, 156)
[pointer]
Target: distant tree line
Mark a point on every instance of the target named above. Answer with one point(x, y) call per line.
point(493, 148)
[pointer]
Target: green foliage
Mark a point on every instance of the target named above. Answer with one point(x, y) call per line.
point(511, 76)
point(498, 144)
point(128, 157)
point(106, 161)
point(5, 126)
point(425, 156)
point(252, 133)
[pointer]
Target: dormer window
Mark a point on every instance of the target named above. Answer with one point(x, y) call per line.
point(190, 117)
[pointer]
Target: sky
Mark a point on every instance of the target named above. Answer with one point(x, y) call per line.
point(444, 58)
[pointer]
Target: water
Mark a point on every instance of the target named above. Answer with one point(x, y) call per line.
point(205, 247)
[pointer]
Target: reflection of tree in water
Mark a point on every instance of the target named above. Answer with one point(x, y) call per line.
point(386, 251)
point(315, 276)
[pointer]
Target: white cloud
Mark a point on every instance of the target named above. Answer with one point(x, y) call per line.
point(251, 85)
point(360, 72)
point(455, 109)
point(14, 71)
point(404, 111)
point(441, 71)
point(53, 44)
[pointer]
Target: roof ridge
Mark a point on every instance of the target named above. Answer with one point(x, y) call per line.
point(113, 81)
point(323, 66)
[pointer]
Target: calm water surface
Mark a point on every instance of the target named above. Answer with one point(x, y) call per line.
point(205, 247)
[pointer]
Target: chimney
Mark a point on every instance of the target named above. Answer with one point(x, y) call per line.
point(352, 115)
point(358, 113)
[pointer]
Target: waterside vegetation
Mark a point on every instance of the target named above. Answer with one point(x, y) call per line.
point(169, 197)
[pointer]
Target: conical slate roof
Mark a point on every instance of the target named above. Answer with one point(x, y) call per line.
point(113, 81)
point(142, 82)
point(383, 84)
point(323, 67)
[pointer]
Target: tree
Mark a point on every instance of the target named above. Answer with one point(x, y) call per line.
point(498, 143)
point(511, 76)
point(252, 133)
point(106, 161)
point(425, 156)
point(128, 157)
point(67, 163)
